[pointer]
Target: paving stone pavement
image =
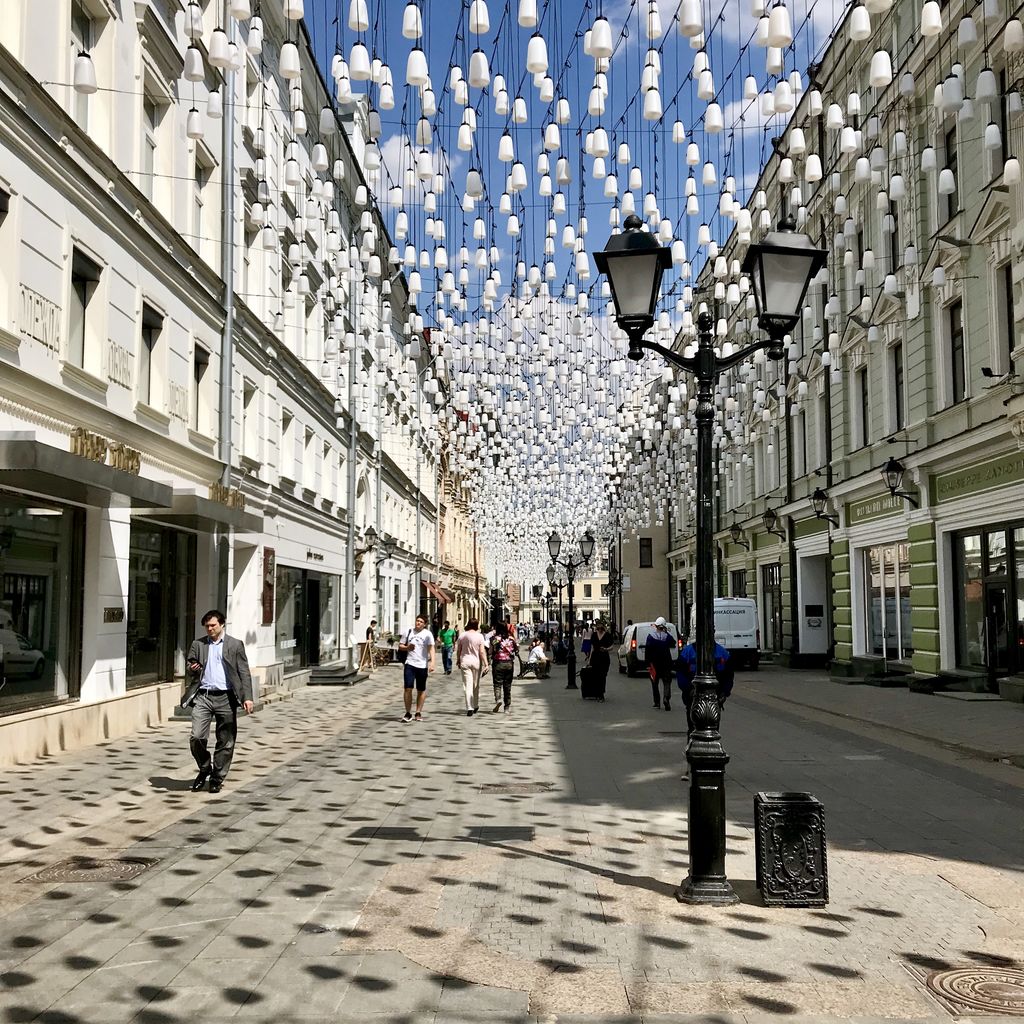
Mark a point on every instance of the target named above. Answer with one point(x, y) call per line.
point(356, 868)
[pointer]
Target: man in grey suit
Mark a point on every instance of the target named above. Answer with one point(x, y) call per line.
point(219, 682)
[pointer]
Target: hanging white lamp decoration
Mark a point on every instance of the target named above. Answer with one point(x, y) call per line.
point(1013, 36)
point(294, 10)
point(691, 20)
point(537, 55)
point(880, 71)
point(218, 55)
point(412, 21)
point(85, 74)
point(479, 18)
point(1011, 171)
point(358, 16)
point(986, 86)
point(214, 105)
point(931, 18)
point(860, 24)
point(195, 70)
point(417, 72)
point(780, 26)
point(966, 33)
point(601, 45)
point(479, 70)
point(527, 13)
point(652, 105)
point(194, 124)
point(713, 119)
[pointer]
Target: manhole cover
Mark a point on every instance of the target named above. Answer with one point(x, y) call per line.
point(982, 989)
point(515, 787)
point(93, 869)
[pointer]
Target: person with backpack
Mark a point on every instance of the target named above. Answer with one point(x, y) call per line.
point(503, 658)
point(686, 672)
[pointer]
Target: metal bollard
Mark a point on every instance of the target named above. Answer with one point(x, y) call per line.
point(792, 868)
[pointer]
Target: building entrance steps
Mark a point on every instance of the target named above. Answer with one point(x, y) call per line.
point(512, 868)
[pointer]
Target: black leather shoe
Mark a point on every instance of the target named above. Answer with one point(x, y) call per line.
point(215, 787)
point(200, 779)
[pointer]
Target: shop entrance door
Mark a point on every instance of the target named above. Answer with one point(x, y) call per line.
point(312, 610)
point(771, 607)
point(997, 635)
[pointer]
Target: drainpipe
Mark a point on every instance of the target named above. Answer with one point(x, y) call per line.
point(227, 347)
point(353, 458)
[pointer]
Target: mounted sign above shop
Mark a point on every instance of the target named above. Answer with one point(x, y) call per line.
point(91, 446)
point(872, 508)
point(972, 479)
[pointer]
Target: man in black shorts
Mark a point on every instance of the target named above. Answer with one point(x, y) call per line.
point(418, 643)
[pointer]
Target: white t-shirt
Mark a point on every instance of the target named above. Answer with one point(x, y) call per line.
point(421, 644)
point(537, 654)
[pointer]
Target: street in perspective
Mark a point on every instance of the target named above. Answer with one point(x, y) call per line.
point(517, 867)
point(511, 511)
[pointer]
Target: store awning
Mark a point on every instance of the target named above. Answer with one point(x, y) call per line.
point(190, 511)
point(31, 465)
point(435, 591)
point(445, 596)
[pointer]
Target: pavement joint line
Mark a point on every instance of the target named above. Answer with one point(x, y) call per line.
point(956, 748)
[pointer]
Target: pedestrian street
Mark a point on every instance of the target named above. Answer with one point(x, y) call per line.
point(506, 867)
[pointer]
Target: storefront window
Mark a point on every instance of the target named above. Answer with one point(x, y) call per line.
point(161, 603)
point(41, 566)
point(308, 618)
point(288, 631)
point(971, 641)
point(887, 598)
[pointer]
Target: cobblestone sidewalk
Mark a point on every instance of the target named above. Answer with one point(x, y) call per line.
point(511, 868)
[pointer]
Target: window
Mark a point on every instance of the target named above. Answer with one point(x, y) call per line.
point(821, 425)
point(309, 461)
point(147, 376)
point(998, 115)
point(200, 364)
point(953, 199)
point(895, 257)
point(199, 184)
point(738, 583)
point(588, 590)
point(250, 426)
point(536, 592)
point(955, 323)
point(860, 384)
point(83, 38)
point(150, 124)
point(287, 452)
point(887, 600)
point(899, 419)
point(646, 553)
point(800, 444)
point(85, 275)
point(1004, 306)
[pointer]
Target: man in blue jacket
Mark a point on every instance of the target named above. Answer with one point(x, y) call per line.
point(687, 670)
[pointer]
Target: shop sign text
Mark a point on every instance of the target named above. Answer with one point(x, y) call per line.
point(231, 497)
point(979, 477)
point(872, 508)
point(87, 445)
point(119, 365)
point(40, 319)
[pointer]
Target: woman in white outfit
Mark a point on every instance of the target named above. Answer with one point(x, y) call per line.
point(471, 659)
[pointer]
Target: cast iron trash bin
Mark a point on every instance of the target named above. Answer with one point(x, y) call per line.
point(789, 831)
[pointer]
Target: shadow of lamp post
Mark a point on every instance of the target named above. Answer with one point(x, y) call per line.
point(780, 270)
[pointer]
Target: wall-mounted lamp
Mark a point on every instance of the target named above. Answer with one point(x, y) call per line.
point(387, 549)
point(892, 474)
point(771, 523)
point(736, 533)
point(369, 541)
point(819, 502)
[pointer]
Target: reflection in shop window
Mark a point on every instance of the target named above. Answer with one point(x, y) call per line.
point(887, 594)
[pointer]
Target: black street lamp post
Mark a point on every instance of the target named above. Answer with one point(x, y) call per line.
point(570, 565)
point(781, 269)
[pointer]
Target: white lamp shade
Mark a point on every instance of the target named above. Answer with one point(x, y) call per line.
point(219, 54)
point(85, 74)
point(195, 70)
point(194, 124)
point(412, 21)
point(527, 13)
point(289, 63)
point(294, 9)
point(537, 55)
point(601, 37)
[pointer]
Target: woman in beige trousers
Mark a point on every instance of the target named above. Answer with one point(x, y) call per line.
point(471, 660)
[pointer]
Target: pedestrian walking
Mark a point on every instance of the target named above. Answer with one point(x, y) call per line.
point(659, 653)
point(503, 653)
point(599, 660)
point(471, 660)
point(219, 682)
point(447, 636)
point(418, 643)
point(686, 672)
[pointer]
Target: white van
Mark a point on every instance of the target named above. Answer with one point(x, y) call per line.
point(736, 629)
point(632, 650)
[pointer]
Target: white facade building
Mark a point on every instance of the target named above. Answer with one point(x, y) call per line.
point(133, 496)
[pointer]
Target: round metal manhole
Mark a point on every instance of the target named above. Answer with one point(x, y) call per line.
point(988, 989)
point(93, 869)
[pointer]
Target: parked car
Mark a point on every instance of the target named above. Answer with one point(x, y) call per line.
point(631, 653)
point(736, 629)
point(19, 657)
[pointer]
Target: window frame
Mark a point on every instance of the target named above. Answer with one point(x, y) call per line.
point(84, 280)
point(898, 377)
point(200, 367)
point(957, 350)
point(645, 553)
point(151, 325)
